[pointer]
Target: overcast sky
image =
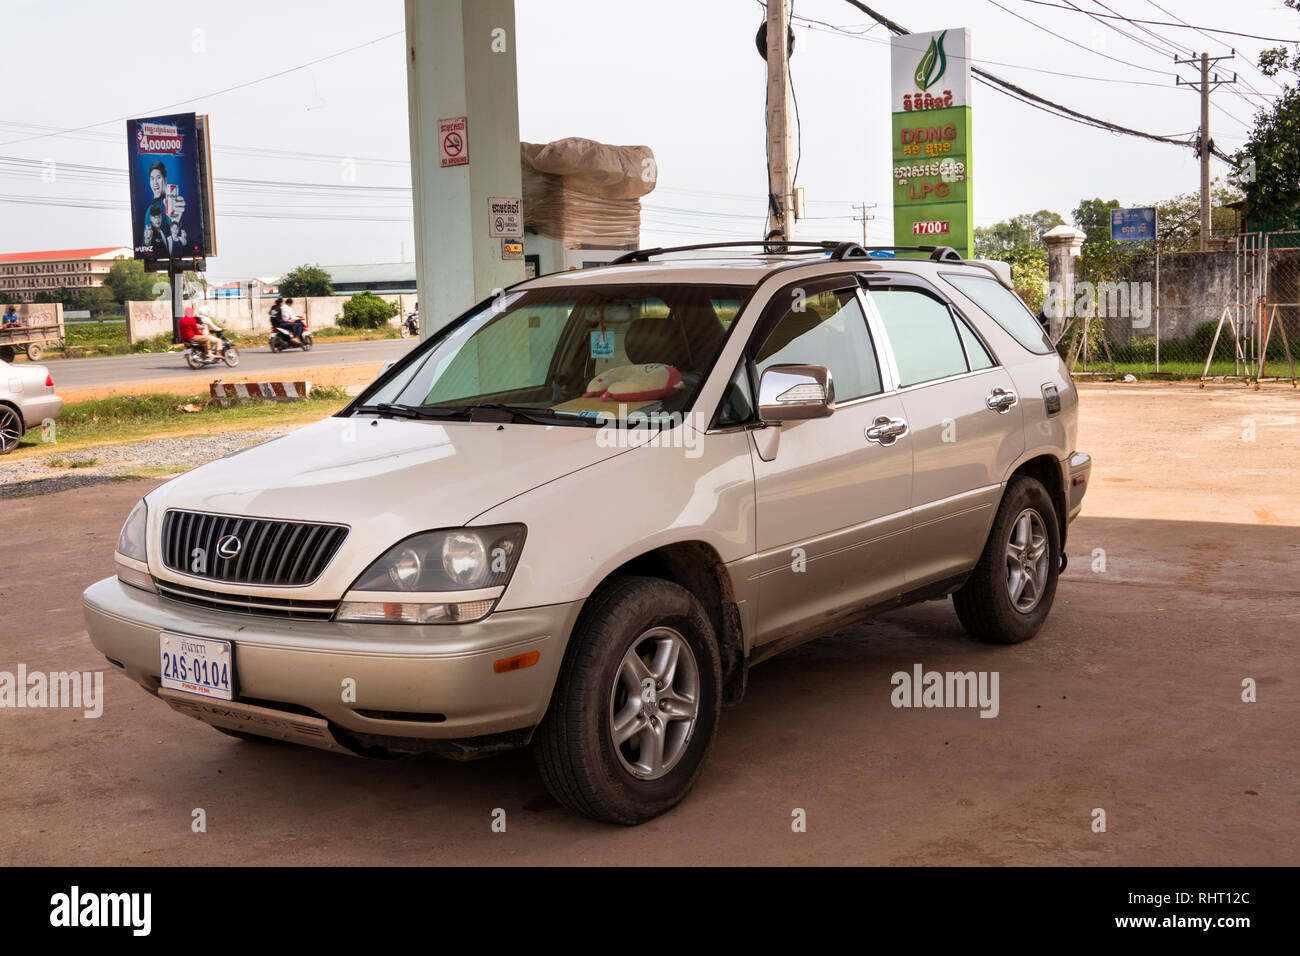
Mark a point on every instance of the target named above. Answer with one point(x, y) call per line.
point(681, 76)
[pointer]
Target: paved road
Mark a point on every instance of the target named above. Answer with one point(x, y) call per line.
point(1182, 583)
point(255, 362)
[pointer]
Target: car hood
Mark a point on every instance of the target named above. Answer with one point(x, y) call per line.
point(386, 478)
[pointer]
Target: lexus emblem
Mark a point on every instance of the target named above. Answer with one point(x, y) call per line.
point(228, 547)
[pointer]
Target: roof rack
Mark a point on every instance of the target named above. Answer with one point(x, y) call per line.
point(838, 250)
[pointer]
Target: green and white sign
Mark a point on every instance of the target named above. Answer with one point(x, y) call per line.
point(932, 140)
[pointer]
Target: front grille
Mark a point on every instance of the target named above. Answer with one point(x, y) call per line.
point(271, 553)
point(247, 604)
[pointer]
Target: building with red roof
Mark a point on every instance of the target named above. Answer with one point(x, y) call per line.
point(24, 275)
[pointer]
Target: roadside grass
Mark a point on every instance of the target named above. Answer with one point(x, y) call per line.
point(1175, 369)
point(127, 418)
point(71, 462)
point(354, 335)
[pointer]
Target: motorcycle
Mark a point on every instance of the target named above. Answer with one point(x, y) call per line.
point(278, 340)
point(226, 352)
point(411, 326)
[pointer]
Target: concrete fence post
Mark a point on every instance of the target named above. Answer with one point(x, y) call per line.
point(1063, 245)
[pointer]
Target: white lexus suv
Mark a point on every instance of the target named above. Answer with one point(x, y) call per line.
point(581, 511)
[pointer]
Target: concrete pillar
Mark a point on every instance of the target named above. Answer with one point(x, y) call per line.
point(1063, 245)
point(460, 61)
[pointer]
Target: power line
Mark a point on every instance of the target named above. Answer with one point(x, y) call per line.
point(1162, 23)
point(1018, 92)
point(229, 89)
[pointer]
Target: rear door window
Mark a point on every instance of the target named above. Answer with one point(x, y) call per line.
point(921, 332)
point(1004, 307)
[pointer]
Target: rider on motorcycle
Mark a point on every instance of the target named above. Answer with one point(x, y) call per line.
point(191, 331)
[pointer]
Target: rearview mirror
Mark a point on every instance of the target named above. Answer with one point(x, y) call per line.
point(794, 393)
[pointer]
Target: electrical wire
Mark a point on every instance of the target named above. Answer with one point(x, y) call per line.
point(1163, 23)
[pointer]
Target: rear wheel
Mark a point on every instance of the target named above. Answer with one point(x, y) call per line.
point(230, 356)
point(1010, 592)
point(636, 703)
point(11, 429)
point(194, 359)
point(275, 343)
point(34, 352)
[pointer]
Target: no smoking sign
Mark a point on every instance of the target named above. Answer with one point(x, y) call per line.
point(453, 141)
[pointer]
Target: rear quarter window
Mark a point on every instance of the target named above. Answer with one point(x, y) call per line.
point(1004, 307)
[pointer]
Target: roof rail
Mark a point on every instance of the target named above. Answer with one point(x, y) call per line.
point(644, 255)
point(838, 250)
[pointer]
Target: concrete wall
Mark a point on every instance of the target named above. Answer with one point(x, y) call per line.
point(146, 319)
point(1195, 286)
point(45, 313)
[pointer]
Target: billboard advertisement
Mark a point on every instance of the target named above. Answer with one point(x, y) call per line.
point(167, 165)
point(930, 90)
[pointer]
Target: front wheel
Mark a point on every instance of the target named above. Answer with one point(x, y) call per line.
point(230, 356)
point(1010, 592)
point(194, 359)
point(636, 704)
point(306, 343)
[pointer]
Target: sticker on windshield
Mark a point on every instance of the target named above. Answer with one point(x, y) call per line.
point(602, 344)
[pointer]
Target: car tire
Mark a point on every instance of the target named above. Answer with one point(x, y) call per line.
point(11, 429)
point(995, 604)
point(630, 782)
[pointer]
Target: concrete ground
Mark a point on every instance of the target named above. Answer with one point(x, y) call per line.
point(1182, 583)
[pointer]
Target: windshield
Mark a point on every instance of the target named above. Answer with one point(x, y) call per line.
point(591, 352)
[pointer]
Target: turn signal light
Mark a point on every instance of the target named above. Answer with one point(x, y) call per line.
point(518, 662)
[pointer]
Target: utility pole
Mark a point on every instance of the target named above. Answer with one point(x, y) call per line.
point(780, 141)
point(865, 217)
point(1203, 142)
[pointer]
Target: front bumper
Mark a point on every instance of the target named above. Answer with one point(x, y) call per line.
point(412, 683)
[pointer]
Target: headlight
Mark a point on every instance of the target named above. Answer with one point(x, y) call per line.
point(131, 541)
point(459, 559)
point(132, 557)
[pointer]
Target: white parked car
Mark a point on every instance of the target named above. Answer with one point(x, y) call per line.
point(26, 400)
point(578, 514)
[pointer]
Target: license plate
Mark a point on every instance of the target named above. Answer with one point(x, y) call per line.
point(197, 665)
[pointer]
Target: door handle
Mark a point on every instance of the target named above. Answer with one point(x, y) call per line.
point(1002, 400)
point(885, 430)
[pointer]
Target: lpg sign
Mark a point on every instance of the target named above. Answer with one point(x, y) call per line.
point(931, 139)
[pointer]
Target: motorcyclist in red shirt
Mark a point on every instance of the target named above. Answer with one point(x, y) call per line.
point(189, 329)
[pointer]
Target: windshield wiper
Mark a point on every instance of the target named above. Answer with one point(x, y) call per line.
point(538, 416)
point(409, 411)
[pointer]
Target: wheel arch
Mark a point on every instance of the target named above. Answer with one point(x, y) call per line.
point(1046, 469)
point(697, 566)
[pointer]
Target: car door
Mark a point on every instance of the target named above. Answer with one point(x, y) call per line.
point(832, 504)
point(965, 422)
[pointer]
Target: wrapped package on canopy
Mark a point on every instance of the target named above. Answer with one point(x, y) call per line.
point(583, 192)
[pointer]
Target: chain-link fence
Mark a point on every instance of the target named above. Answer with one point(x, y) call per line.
point(1231, 312)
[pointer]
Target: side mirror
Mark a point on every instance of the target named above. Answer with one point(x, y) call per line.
point(793, 393)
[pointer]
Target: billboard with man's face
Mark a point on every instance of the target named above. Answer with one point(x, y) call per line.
point(167, 169)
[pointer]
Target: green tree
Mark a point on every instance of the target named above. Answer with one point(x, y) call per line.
point(1092, 216)
point(1025, 230)
point(365, 310)
point(304, 281)
point(1268, 166)
point(128, 281)
point(1178, 218)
